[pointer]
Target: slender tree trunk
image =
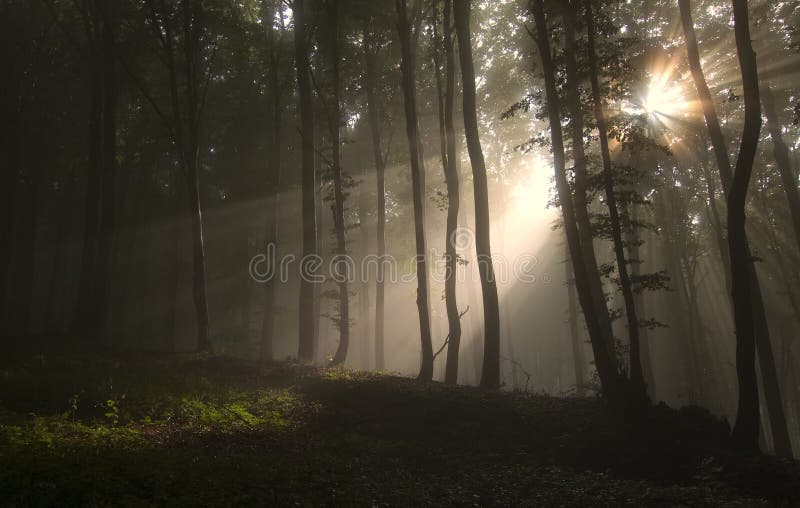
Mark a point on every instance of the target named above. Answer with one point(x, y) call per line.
point(490, 374)
point(306, 315)
point(380, 171)
point(781, 151)
point(109, 169)
point(746, 430)
point(334, 122)
point(89, 256)
point(10, 141)
point(446, 93)
point(575, 340)
point(363, 293)
point(417, 177)
point(274, 166)
point(704, 94)
point(604, 359)
point(322, 245)
point(191, 19)
point(268, 322)
point(51, 321)
point(27, 243)
point(647, 355)
point(174, 255)
point(637, 379)
point(581, 176)
point(759, 321)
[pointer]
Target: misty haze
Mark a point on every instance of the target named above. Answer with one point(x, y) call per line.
point(400, 253)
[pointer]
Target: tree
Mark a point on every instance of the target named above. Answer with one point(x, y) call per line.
point(334, 122)
point(371, 49)
point(490, 373)
point(407, 66)
point(759, 320)
point(99, 21)
point(445, 95)
point(308, 183)
point(604, 360)
point(781, 152)
point(637, 379)
point(745, 432)
point(579, 158)
point(274, 49)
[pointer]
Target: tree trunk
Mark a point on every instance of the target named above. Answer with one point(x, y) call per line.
point(759, 321)
point(490, 373)
point(446, 92)
point(746, 429)
point(637, 379)
point(274, 165)
point(334, 122)
point(604, 359)
point(305, 351)
point(575, 340)
point(85, 309)
point(781, 151)
point(10, 141)
point(28, 227)
point(174, 254)
point(191, 19)
point(417, 175)
point(108, 176)
point(581, 176)
point(380, 171)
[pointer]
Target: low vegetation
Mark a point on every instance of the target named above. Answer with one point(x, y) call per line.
point(214, 431)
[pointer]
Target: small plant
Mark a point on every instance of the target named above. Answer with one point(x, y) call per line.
point(72, 408)
point(112, 411)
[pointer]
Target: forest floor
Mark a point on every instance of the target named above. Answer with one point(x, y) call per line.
point(152, 430)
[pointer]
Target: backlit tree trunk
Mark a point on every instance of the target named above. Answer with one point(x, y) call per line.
point(306, 314)
point(334, 121)
point(745, 432)
point(581, 176)
point(761, 329)
point(637, 379)
point(446, 92)
point(417, 178)
point(380, 172)
point(604, 359)
point(490, 373)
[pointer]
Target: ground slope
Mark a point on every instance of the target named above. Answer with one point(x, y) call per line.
point(213, 431)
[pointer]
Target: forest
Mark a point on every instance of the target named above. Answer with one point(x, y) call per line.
point(400, 253)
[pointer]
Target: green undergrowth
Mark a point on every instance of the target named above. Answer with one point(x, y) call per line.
point(154, 430)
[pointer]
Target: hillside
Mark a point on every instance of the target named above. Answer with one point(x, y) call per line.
point(214, 431)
